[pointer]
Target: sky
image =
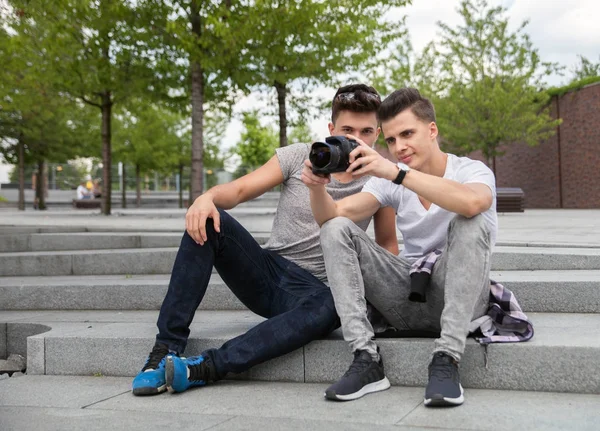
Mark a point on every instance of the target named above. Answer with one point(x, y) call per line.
point(559, 29)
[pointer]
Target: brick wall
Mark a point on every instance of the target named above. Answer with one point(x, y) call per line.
point(566, 164)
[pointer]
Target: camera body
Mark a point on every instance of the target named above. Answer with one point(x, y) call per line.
point(332, 155)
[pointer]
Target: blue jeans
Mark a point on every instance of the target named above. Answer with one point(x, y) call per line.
point(298, 306)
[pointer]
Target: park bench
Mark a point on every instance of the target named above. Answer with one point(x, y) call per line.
point(87, 203)
point(510, 200)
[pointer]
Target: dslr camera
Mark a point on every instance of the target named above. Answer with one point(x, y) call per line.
point(332, 155)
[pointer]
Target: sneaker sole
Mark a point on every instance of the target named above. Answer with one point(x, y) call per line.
point(149, 391)
point(169, 373)
point(381, 385)
point(438, 400)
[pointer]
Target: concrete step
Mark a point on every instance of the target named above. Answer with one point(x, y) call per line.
point(562, 357)
point(541, 291)
point(30, 238)
point(94, 241)
point(106, 292)
point(160, 261)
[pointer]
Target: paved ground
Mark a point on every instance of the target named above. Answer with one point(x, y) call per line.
point(101, 403)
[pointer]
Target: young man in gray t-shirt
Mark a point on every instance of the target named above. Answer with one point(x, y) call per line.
point(284, 281)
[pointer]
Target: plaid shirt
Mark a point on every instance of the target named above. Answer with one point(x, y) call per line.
point(504, 322)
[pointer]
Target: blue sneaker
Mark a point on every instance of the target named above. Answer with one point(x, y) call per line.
point(184, 373)
point(151, 380)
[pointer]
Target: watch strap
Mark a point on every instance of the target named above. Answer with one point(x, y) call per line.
point(400, 177)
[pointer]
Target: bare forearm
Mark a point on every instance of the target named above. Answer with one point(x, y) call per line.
point(225, 196)
point(323, 206)
point(447, 194)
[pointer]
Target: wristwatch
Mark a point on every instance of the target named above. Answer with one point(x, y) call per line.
point(404, 169)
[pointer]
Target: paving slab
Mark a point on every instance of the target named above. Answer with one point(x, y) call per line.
point(277, 400)
point(494, 410)
point(64, 419)
point(56, 391)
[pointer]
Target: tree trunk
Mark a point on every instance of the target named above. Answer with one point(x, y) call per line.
point(180, 185)
point(124, 187)
point(138, 187)
point(196, 183)
point(21, 145)
point(281, 95)
point(106, 152)
point(39, 186)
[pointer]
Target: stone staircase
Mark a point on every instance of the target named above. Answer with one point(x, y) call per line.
point(85, 303)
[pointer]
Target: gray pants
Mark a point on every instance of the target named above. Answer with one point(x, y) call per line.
point(358, 270)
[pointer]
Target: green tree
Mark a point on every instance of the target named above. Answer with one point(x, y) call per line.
point(257, 143)
point(487, 82)
point(37, 123)
point(314, 41)
point(98, 51)
point(585, 69)
point(302, 134)
point(144, 137)
point(201, 56)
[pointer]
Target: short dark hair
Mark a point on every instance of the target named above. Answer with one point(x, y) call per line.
point(406, 98)
point(355, 98)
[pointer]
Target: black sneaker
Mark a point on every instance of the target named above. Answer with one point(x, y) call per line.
point(443, 389)
point(363, 377)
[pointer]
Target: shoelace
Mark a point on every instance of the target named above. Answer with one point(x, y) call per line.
point(203, 371)
point(157, 354)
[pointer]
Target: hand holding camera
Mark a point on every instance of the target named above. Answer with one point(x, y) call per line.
point(349, 154)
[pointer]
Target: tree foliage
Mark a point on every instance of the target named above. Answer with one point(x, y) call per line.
point(585, 69)
point(485, 81)
point(257, 143)
point(314, 41)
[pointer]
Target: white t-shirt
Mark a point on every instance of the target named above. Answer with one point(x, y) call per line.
point(82, 192)
point(425, 230)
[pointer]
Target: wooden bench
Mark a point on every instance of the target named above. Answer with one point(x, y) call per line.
point(87, 203)
point(510, 200)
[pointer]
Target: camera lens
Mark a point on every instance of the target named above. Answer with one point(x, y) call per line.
point(320, 156)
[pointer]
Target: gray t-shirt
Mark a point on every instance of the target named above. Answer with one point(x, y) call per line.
point(295, 233)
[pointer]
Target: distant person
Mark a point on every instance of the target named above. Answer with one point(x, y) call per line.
point(96, 189)
point(83, 192)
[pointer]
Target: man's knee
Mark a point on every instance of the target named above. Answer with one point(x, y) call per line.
point(465, 227)
point(325, 316)
point(336, 228)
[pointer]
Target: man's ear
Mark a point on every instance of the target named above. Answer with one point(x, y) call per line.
point(331, 126)
point(433, 130)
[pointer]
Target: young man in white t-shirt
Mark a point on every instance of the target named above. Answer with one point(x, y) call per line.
point(443, 203)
